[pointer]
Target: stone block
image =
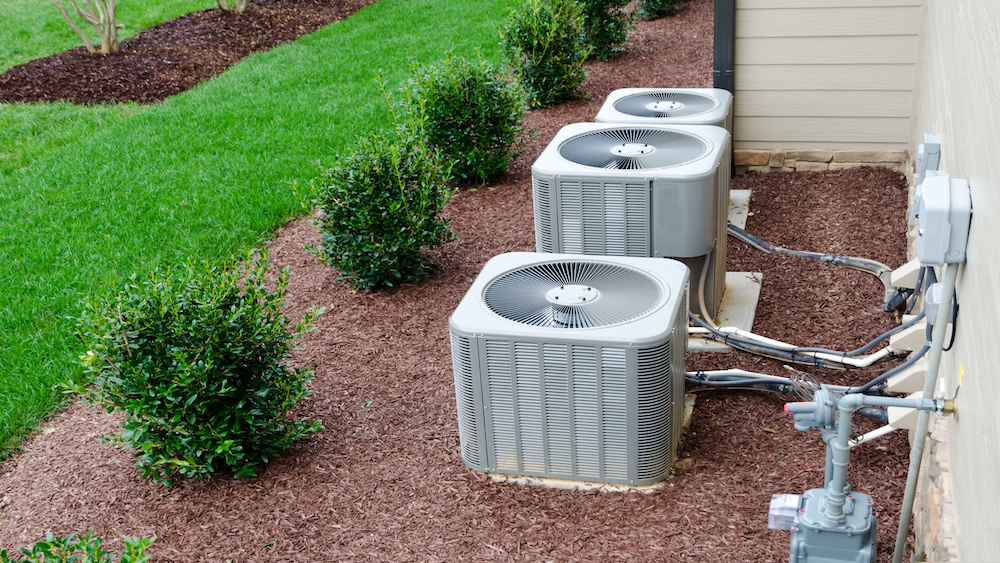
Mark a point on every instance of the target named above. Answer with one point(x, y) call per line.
point(805, 166)
point(842, 165)
point(789, 163)
point(787, 169)
point(895, 157)
point(751, 157)
point(810, 155)
point(777, 159)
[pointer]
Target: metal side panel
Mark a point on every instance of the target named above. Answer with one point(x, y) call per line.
point(557, 410)
point(685, 215)
point(468, 396)
point(546, 221)
point(656, 403)
point(603, 218)
point(724, 179)
point(678, 369)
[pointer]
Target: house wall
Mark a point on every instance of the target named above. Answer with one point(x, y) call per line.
point(825, 74)
point(957, 96)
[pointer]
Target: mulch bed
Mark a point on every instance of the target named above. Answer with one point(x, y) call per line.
point(171, 57)
point(385, 482)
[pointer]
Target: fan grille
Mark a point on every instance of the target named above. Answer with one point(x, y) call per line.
point(625, 294)
point(665, 104)
point(634, 148)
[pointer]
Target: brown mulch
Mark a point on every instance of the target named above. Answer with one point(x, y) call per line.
point(385, 482)
point(171, 57)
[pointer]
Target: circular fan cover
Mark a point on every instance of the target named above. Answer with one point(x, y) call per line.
point(665, 104)
point(594, 294)
point(634, 148)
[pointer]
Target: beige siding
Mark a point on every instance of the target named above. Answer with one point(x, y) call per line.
point(820, 130)
point(828, 78)
point(827, 22)
point(957, 97)
point(825, 73)
point(828, 103)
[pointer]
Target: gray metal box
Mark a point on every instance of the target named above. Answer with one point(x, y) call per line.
point(814, 541)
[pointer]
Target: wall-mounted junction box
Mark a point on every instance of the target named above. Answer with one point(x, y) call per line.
point(943, 207)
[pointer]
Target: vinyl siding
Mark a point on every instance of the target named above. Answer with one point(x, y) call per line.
point(957, 97)
point(825, 74)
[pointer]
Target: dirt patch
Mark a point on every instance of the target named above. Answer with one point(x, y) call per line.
point(385, 482)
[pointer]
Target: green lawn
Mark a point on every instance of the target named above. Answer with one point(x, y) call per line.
point(199, 176)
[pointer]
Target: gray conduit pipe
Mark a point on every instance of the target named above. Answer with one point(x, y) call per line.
point(840, 447)
point(920, 433)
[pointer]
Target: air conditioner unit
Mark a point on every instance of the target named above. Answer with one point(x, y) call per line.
point(686, 106)
point(637, 190)
point(572, 367)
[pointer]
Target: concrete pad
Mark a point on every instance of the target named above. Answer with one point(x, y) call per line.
point(738, 308)
point(577, 485)
point(739, 207)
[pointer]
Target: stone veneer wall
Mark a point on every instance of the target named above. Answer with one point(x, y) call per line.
point(933, 511)
point(779, 160)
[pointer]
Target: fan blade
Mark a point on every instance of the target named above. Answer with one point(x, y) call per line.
point(625, 294)
point(619, 148)
point(665, 104)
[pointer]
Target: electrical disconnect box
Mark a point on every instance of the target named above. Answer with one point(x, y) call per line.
point(942, 207)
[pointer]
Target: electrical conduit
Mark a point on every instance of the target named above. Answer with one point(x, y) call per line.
point(920, 433)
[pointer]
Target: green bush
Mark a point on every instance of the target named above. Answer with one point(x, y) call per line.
point(380, 209)
point(469, 114)
point(79, 549)
point(195, 359)
point(543, 45)
point(606, 25)
point(654, 9)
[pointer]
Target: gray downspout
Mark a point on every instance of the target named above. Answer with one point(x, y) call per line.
point(725, 45)
point(725, 60)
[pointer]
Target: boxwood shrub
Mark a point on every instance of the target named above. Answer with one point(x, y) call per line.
point(654, 9)
point(607, 26)
point(195, 357)
point(380, 210)
point(467, 112)
point(544, 46)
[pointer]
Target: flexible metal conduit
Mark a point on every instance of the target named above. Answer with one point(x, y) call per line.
point(877, 269)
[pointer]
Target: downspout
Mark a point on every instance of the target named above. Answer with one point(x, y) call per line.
point(725, 60)
point(725, 45)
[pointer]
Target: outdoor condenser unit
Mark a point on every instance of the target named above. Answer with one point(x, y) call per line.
point(572, 367)
point(637, 190)
point(669, 106)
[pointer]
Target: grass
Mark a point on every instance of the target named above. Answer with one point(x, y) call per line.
point(30, 131)
point(200, 176)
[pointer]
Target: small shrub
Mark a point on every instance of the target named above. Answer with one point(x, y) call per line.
point(469, 114)
point(606, 25)
point(195, 359)
point(543, 45)
point(79, 549)
point(102, 15)
point(655, 9)
point(380, 209)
